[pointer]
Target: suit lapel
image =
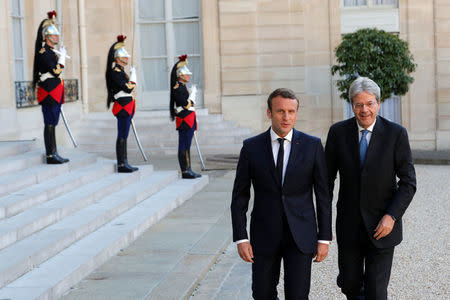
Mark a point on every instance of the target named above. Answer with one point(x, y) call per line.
point(293, 156)
point(269, 156)
point(376, 141)
point(353, 141)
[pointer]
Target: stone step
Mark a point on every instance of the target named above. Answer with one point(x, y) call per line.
point(152, 125)
point(149, 141)
point(12, 148)
point(109, 151)
point(163, 133)
point(202, 112)
point(32, 194)
point(32, 220)
point(28, 253)
point(56, 275)
point(15, 181)
point(21, 161)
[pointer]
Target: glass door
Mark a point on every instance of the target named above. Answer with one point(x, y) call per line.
point(166, 29)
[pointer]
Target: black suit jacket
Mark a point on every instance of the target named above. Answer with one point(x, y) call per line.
point(366, 194)
point(306, 170)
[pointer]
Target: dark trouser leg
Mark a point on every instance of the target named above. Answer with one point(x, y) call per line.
point(123, 128)
point(377, 272)
point(184, 154)
point(297, 268)
point(351, 271)
point(265, 276)
point(51, 118)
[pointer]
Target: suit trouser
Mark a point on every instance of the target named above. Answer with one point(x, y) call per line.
point(297, 271)
point(364, 270)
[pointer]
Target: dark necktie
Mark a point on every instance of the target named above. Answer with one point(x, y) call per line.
point(280, 159)
point(363, 146)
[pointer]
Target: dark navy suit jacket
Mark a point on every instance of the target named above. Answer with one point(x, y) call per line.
point(366, 194)
point(306, 172)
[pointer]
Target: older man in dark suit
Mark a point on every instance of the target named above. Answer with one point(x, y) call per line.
point(285, 166)
point(369, 152)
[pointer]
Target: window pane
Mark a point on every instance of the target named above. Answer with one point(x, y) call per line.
point(385, 2)
point(18, 70)
point(155, 75)
point(355, 2)
point(153, 40)
point(185, 9)
point(17, 36)
point(187, 38)
point(152, 10)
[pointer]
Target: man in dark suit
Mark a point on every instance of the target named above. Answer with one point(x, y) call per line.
point(285, 166)
point(369, 152)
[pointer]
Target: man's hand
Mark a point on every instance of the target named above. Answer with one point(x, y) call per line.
point(245, 251)
point(384, 227)
point(322, 252)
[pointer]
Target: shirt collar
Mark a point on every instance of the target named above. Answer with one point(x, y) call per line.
point(274, 136)
point(370, 128)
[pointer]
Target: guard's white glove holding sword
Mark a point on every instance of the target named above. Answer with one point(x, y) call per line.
point(193, 93)
point(62, 55)
point(133, 77)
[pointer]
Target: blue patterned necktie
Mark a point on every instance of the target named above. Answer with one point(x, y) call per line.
point(363, 146)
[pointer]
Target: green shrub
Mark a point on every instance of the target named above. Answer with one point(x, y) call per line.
point(381, 56)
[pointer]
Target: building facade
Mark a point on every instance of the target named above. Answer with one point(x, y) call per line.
point(239, 51)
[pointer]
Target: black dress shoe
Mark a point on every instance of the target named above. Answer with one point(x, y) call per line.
point(188, 174)
point(126, 168)
point(55, 159)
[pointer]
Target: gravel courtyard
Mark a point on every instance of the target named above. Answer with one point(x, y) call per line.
point(421, 268)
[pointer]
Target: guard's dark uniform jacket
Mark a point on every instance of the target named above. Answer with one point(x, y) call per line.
point(124, 105)
point(185, 115)
point(50, 85)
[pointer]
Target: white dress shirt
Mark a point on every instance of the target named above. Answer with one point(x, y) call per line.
point(287, 151)
point(369, 134)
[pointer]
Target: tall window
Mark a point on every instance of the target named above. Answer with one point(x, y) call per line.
point(18, 39)
point(167, 29)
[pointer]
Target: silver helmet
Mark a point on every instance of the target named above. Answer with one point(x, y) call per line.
point(121, 53)
point(183, 71)
point(50, 30)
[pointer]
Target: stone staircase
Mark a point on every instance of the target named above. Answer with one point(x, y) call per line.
point(60, 222)
point(96, 133)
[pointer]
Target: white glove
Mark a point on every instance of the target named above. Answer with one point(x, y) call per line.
point(62, 55)
point(133, 77)
point(193, 93)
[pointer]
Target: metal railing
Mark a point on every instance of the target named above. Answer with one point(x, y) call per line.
point(26, 96)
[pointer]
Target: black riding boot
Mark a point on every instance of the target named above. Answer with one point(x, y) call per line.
point(185, 171)
point(122, 161)
point(185, 165)
point(188, 158)
point(52, 155)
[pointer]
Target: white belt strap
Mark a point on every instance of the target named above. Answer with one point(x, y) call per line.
point(181, 108)
point(122, 94)
point(46, 76)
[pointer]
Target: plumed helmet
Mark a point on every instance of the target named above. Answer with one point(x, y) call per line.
point(181, 66)
point(119, 47)
point(183, 71)
point(48, 26)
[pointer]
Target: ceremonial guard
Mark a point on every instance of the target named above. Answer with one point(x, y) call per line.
point(182, 110)
point(120, 86)
point(47, 75)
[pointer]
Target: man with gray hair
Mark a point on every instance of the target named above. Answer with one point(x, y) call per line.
point(369, 152)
